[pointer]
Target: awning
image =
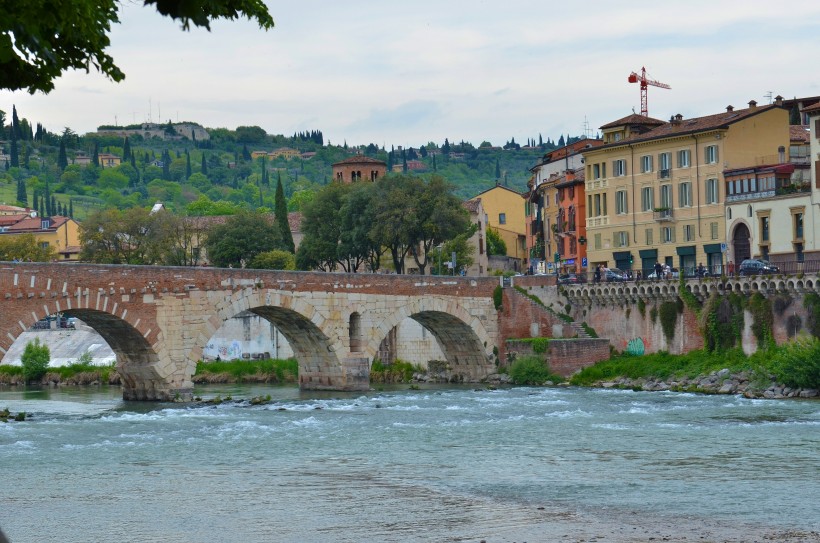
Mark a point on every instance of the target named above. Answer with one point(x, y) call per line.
point(686, 251)
point(621, 255)
point(713, 248)
point(648, 253)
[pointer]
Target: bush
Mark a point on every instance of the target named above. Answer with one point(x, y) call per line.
point(797, 364)
point(531, 370)
point(35, 360)
point(498, 297)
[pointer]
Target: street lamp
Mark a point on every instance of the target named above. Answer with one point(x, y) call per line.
point(439, 258)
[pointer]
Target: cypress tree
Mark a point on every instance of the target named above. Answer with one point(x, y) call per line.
point(281, 214)
point(204, 167)
point(794, 115)
point(54, 209)
point(15, 159)
point(71, 208)
point(187, 165)
point(62, 158)
point(15, 123)
point(95, 158)
point(126, 150)
point(435, 169)
point(246, 155)
point(403, 161)
point(497, 170)
point(133, 161)
point(22, 196)
point(47, 207)
point(166, 165)
point(26, 155)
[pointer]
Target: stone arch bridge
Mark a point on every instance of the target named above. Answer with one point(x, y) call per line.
point(158, 319)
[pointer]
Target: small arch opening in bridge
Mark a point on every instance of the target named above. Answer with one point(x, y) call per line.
point(106, 338)
point(355, 332)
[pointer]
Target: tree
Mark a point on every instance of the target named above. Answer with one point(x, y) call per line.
point(204, 166)
point(241, 238)
point(495, 245)
point(15, 157)
point(497, 170)
point(25, 247)
point(322, 229)
point(281, 213)
point(794, 115)
point(22, 196)
point(187, 165)
point(62, 158)
point(126, 150)
point(274, 260)
point(133, 236)
point(95, 157)
point(41, 40)
point(35, 360)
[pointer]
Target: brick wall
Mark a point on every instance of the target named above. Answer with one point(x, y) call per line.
point(565, 356)
point(520, 317)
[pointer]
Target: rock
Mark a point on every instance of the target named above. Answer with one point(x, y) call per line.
point(728, 388)
point(723, 373)
point(809, 393)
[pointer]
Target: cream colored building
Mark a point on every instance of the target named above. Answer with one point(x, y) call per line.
point(655, 190)
point(506, 213)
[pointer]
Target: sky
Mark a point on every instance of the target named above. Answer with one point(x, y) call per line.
point(407, 73)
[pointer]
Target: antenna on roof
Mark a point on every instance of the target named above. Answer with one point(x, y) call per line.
point(769, 96)
point(587, 129)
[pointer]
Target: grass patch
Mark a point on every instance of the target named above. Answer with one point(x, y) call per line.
point(397, 372)
point(267, 370)
point(662, 365)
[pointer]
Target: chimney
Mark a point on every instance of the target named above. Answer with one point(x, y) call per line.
point(730, 108)
point(781, 154)
point(569, 175)
point(752, 104)
point(676, 119)
point(778, 100)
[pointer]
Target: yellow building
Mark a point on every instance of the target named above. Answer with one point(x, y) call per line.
point(655, 190)
point(506, 212)
point(61, 233)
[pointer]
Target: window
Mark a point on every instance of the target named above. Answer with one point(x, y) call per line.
point(713, 227)
point(711, 154)
point(647, 199)
point(711, 191)
point(617, 136)
point(619, 168)
point(685, 194)
point(664, 165)
point(620, 202)
point(729, 213)
point(688, 232)
point(646, 163)
point(684, 158)
point(798, 250)
point(596, 171)
point(668, 234)
point(649, 240)
point(666, 196)
point(749, 210)
point(589, 206)
point(44, 245)
point(604, 204)
point(597, 205)
point(502, 218)
point(621, 239)
point(764, 228)
point(597, 241)
point(798, 226)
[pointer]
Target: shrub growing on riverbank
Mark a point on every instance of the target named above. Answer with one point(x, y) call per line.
point(531, 370)
point(397, 372)
point(797, 364)
point(35, 360)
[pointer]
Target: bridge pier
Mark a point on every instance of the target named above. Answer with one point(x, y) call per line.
point(353, 375)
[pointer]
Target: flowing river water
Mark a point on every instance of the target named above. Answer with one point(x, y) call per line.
point(437, 464)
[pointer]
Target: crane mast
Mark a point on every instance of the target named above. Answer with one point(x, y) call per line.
point(641, 78)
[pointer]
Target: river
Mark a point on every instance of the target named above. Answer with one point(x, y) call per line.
point(437, 464)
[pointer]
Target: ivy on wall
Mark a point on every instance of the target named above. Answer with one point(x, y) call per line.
point(762, 320)
point(668, 314)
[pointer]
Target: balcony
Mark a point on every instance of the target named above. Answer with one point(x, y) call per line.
point(592, 222)
point(663, 215)
point(664, 174)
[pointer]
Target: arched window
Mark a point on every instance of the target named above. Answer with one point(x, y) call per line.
point(749, 210)
point(355, 331)
point(728, 212)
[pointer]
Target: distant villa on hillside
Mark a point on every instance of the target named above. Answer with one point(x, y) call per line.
point(177, 131)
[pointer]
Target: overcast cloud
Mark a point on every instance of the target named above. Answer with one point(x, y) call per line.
point(406, 73)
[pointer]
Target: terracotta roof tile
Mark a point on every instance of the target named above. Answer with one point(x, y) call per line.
point(35, 224)
point(799, 133)
point(633, 119)
point(812, 108)
point(359, 159)
point(693, 125)
point(471, 205)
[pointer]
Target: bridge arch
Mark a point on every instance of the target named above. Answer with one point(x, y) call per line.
point(317, 346)
point(461, 336)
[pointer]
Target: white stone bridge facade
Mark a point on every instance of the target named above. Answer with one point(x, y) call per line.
point(158, 319)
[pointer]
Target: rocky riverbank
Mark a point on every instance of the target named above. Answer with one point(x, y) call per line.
point(717, 382)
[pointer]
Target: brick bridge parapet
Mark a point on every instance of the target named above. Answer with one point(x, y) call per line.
point(158, 319)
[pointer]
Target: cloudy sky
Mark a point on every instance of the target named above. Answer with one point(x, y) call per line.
point(406, 73)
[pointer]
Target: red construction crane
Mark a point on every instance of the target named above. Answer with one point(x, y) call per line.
point(634, 77)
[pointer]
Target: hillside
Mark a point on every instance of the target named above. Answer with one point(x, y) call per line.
point(215, 172)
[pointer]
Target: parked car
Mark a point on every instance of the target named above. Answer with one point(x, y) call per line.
point(673, 273)
point(614, 274)
point(755, 266)
point(571, 279)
